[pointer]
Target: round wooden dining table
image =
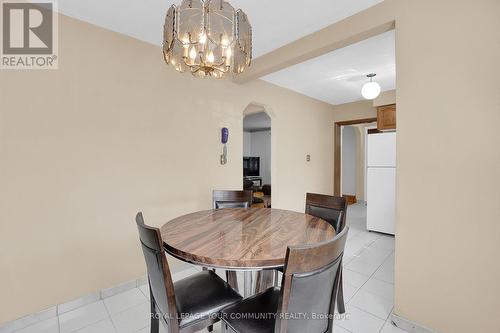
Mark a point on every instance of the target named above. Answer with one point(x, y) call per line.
point(241, 239)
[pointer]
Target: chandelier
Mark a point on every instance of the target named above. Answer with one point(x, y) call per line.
point(207, 38)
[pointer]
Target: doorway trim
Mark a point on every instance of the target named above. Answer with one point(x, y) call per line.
point(337, 168)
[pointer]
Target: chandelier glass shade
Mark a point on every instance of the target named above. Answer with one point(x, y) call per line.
point(207, 38)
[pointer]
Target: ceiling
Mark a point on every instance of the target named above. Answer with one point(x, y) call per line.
point(334, 78)
point(275, 23)
point(337, 77)
point(256, 121)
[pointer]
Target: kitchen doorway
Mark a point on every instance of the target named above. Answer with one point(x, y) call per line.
point(338, 135)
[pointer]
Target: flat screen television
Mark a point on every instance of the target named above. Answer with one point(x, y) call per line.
point(251, 166)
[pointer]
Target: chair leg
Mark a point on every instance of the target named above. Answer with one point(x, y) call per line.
point(210, 328)
point(340, 295)
point(155, 321)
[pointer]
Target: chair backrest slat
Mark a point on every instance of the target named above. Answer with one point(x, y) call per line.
point(329, 208)
point(309, 286)
point(232, 199)
point(160, 279)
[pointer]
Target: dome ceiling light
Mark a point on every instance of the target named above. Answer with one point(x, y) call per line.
point(371, 89)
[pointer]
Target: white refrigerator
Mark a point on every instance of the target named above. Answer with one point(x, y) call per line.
point(381, 182)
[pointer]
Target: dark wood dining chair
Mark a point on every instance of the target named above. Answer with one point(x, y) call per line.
point(333, 210)
point(309, 287)
point(188, 305)
point(232, 199)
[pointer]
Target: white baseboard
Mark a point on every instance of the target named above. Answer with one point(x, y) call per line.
point(56, 310)
point(18, 324)
point(108, 292)
point(410, 326)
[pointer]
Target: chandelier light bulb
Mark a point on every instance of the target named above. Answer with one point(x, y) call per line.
point(371, 90)
point(192, 53)
point(210, 57)
point(203, 38)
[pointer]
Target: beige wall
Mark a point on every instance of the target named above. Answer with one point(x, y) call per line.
point(385, 98)
point(114, 131)
point(447, 243)
point(448, 162)
point(106, 126)
point(356, 110)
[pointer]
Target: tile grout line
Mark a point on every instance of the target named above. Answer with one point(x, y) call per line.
point(147, 296)
point(371, 277)
point(57, 306)
point(109, 315)
point(341, 328)
point(107, 310)
point(81, 328)
point(356, 255)
point(387, 320)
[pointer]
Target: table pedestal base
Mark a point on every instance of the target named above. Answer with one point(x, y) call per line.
point(248, 284)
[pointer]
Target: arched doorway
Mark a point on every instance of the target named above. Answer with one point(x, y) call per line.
point(257, 153)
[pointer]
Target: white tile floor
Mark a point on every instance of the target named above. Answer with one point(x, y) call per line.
point(368, 292)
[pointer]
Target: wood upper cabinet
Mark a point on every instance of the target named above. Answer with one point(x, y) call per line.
point(386, 117)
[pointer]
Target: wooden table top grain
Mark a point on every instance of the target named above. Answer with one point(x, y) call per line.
point(255, 238)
